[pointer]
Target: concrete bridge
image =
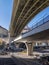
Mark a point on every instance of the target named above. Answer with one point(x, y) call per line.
point(23, 12)
point(39, 33)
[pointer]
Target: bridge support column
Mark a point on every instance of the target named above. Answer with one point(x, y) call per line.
point(29, 48)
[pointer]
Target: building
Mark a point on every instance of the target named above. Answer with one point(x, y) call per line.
point(3, 32)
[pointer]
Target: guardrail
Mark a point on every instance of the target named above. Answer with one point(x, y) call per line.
point(43, 21)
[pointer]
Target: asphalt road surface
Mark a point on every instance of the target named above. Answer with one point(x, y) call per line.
point(11, 60)
point(6, 61)
point(25, 61)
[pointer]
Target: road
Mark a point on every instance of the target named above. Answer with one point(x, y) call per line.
point(25, 61)
point(9, 60)
point(6, 61)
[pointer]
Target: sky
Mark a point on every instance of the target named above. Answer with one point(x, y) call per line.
point(6, 13)
point(44, 13)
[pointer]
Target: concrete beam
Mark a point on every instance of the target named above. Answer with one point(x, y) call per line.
point(24, 17)
point(18, 12)
point(21, 14)
point(41, 7)
point(15, 8)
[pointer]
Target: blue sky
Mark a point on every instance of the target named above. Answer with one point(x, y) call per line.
point(6, 13)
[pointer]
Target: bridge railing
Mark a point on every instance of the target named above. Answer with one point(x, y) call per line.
point(41, 22)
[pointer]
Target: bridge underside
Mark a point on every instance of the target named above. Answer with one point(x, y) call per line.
point(44, 35)
point(23, 12)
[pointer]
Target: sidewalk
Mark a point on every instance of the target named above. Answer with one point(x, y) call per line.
point(22, 55)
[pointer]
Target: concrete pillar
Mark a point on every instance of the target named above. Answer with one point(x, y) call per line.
point(36, 44)
point(29, 48)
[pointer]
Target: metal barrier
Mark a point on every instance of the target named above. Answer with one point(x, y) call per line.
point(43, 21)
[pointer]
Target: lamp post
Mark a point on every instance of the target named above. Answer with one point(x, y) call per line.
point(9, 37)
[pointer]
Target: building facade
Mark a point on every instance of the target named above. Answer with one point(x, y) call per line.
point(3, 32)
